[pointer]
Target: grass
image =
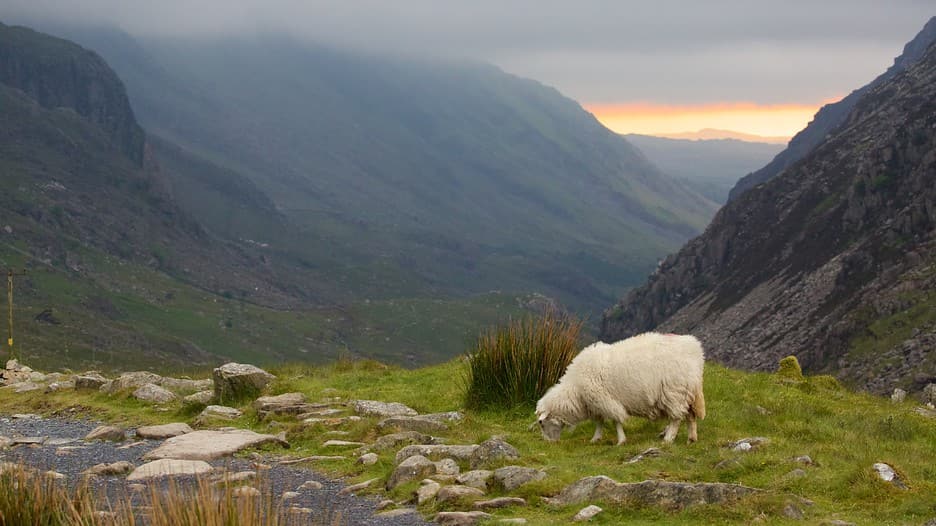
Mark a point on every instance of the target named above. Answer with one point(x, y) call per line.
point(514, 365)
point(845, 433)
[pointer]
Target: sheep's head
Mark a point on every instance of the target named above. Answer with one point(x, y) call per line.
point(551, 426)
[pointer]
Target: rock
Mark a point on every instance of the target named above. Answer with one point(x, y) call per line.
point(791, 511)
point(728, 463)
point(477, 478)
point(888, 474)
point(499, 502)
point(789, 369)
point(235, 381)
point(384, 504)
point(437, 451)
point(25, 416)
point(153, 393)
point(515, 520)
point(368, 459)
point(427, 491)
point(928, 412)
point(512, 477)
point(91, 381)
point(650, 452)
point(310, 485)
point(207, 445)
point(109, 470)
point(460, 518)
point(111, 433)
point(284, 404)
point(55, 387)
point(667, 495)
point(898, 396)
point(218, 411)
point(132, 380)
point(55, 475)
point(447, 466)
point(164, 431)
point(248, 492)
point(199, 398)
point(379, 409)
point(169, 467)
point(231, 478)
point(342, 443)
point(396, 440)
point(401, 512)
point(25, 387)
point(587, 513)
point(492, 450)
point(289, 495)
point(836, 522)
point(928, 396)
point(796, 474)
point(17, 441)
point(354, 488)
point(806, 460)
point(186, 385)
point(414, 467)
point(458, 493)
point(747, 444)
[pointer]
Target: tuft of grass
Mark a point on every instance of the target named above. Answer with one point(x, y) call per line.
point(789, 369)
point(513, 365)
point(30, 497)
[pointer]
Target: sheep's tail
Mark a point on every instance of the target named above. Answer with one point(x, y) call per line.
point(697, 407)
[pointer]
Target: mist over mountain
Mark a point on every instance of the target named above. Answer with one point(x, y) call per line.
point(830, 261)
point(405, 176)
point(711, 166)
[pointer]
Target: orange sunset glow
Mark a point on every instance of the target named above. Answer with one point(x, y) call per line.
point(777, 120)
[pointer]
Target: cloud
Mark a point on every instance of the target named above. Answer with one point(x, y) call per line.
point(593, 50)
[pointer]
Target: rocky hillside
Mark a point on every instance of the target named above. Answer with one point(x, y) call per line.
point(831, 116)
point(831, 261)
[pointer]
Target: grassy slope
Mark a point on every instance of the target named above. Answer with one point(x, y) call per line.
point(845, 433)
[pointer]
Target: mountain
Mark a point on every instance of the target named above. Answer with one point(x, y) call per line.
point(408, 177)
point(706, 134)
point(831, 116)
point(831, 260)
point(710, 166)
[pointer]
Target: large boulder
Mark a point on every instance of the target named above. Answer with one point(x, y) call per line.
point(91, 381)
point(153, 393)
point(238, 381)
point(668, 495)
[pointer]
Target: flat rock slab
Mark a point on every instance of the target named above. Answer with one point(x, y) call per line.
point(667, 495)
point(382, 409)
point(208, 445)
point(169, 468)
point(164, 431)
point(457, 452)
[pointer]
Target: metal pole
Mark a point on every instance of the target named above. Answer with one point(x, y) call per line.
point(10, 304)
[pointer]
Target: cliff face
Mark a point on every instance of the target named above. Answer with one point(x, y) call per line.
point(831, 116)
point(57, 73)
point(832, 260)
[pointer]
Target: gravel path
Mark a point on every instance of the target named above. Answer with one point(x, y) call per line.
point(67, 434)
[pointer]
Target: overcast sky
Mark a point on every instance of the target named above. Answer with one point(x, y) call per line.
point(596, 51)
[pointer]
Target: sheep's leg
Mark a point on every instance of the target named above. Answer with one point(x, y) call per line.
point(598, 431)
point(620, 433)
point(669, 434)
point(693, 429)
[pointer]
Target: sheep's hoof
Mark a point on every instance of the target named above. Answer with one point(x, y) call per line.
point(692, 440)
point(595, 440)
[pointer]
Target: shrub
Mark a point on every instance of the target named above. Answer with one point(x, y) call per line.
point(513, 365)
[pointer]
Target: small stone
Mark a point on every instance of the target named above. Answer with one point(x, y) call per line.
point(499, 502)
point(806, 460)
point(348, 490)
point(341, 443)
point(796, 474)
point(289, 495)
point(310, 485)
point(928, 396)
point(415, 467)
point(512, 477)
point(199, 398)
point(399, 512)
point(110, 433)
point(457, 492)
point(447, 466)
point(164, 431)
point(384, 504)
point(888, 474)
point(246, 491)
point(55, 475)
point(368, 459)
point(492, 450)
point(28, 441)
point(650, 452)
point(460, 518)
point(109, 470)
point(791, 511)
point(747, 444)
point(898, 396)
point(380, 409)
point(427, 491)
point(477, 478)
point(587, 513)
point(220, 411)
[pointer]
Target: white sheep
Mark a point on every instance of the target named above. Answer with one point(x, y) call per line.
point(650, 375)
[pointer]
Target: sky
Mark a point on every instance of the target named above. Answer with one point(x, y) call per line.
point(662, 66)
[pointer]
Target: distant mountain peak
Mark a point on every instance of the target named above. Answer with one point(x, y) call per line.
point(715, 133)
